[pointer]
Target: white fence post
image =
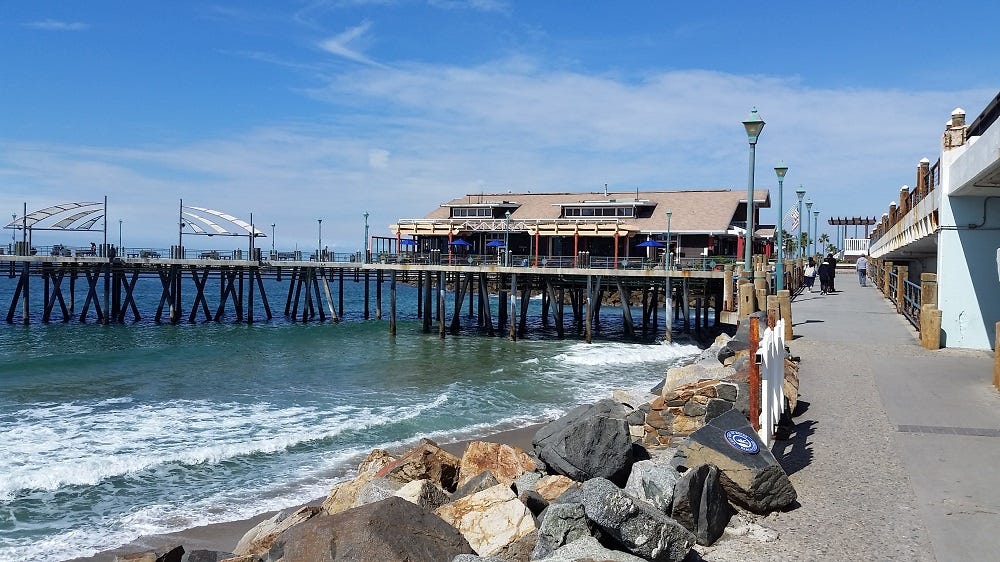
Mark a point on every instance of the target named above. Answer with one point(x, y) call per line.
point(772, 380)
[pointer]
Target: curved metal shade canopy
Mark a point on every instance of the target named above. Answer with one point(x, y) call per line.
point(201, 224)
point(85, 215)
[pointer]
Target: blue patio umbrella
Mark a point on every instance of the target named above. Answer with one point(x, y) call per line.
point(407, 242)
point(650, 244)
point(495, 244)
point(459, 242)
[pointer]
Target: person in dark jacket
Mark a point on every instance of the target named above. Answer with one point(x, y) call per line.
point(826, 275)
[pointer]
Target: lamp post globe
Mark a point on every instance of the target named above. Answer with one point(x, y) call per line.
point(779, 270)
point(753, 125)
point(799, 245)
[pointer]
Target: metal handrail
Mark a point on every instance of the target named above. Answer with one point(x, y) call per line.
point(911, 302)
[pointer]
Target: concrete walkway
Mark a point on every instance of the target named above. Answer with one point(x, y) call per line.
point(896, 454)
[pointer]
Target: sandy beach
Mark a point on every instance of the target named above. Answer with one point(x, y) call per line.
point(224, 536)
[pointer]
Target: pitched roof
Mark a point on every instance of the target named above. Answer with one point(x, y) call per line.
point(691, 211)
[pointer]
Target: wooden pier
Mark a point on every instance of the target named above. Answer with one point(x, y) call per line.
point(233, 289)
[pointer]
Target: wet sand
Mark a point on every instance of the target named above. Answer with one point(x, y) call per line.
point(224, 536)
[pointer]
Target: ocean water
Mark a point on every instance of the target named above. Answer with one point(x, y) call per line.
point(112, 432)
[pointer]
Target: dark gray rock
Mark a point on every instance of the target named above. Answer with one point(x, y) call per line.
point(474, 558)
point(392, 530)
point(205, 556)
point(693, 409)
point(560, 524)
point(526, 483)
point(700, 504)
point(589, 549)
point(727, 391)
point(635, 525)
point(175, 554)
point(479, 482)
point(589, 441)
point(533, 501)
point(653, 483)
point(740, 340)
point(716, 407)
point(638, 417)
point(755, 481)
point(519, 550)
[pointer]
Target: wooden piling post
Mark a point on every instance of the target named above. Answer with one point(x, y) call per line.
point(902, 273)
point(727, 289)
point(392, 302)
point(586, 330)
point(785, 310)
point(747, 299)
point(512, 317)
point(930, 327)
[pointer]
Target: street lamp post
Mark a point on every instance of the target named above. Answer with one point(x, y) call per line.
point(319, 250)
point(753, 125)
point(272, 241)
point(815, 231)
point(809, 206)
point(666, 252)
point(366, 237)
point(119, 235)
point(779, 271)
point(800, 247)
point(506, 239)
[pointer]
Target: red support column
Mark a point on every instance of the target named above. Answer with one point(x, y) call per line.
point(537, 241)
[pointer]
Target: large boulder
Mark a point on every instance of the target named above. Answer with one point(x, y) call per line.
point(424, 493)
point(376, 490)
point(589, 441)
point(426, 461)
point(258, 540)
point(345, 494)
point(561, 524)
point(505, 462)
point(637, 526)
point(392, 530)
point(205, 556)
point(490, 520)
point(653, 483)
point(553, 486)
point(478, 483)
point(700, 504)
point(741, 339)
point(752, 478)
point(589, 549)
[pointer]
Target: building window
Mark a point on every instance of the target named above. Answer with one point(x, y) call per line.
point(598, 211)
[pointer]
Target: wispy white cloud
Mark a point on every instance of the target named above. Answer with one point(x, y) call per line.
point(422, 134)
point(343, 44)
point(499, 6)
point(56, 25)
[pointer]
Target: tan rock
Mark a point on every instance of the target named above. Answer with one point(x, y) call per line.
point(490, 520)
point(685, 425)
point(257, 541)
point(551, 487)
point(657, 420)
point(505, 462)
point(428, 461)
point(657, 403)
point(424, 493)
point(344, 495)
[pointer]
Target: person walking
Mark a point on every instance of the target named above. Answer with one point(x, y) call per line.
point(862, 266)
point(810, 274)
point(826, 275)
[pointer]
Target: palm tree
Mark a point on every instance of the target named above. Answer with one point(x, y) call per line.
point(824, 242)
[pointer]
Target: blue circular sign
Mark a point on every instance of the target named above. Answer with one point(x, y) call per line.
point(742, 441)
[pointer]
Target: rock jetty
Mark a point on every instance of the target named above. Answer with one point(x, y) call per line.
point(632, 477)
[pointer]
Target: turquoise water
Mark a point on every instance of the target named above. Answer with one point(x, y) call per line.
point(111, 432)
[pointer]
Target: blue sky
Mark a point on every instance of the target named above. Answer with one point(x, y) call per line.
point(302, 110)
